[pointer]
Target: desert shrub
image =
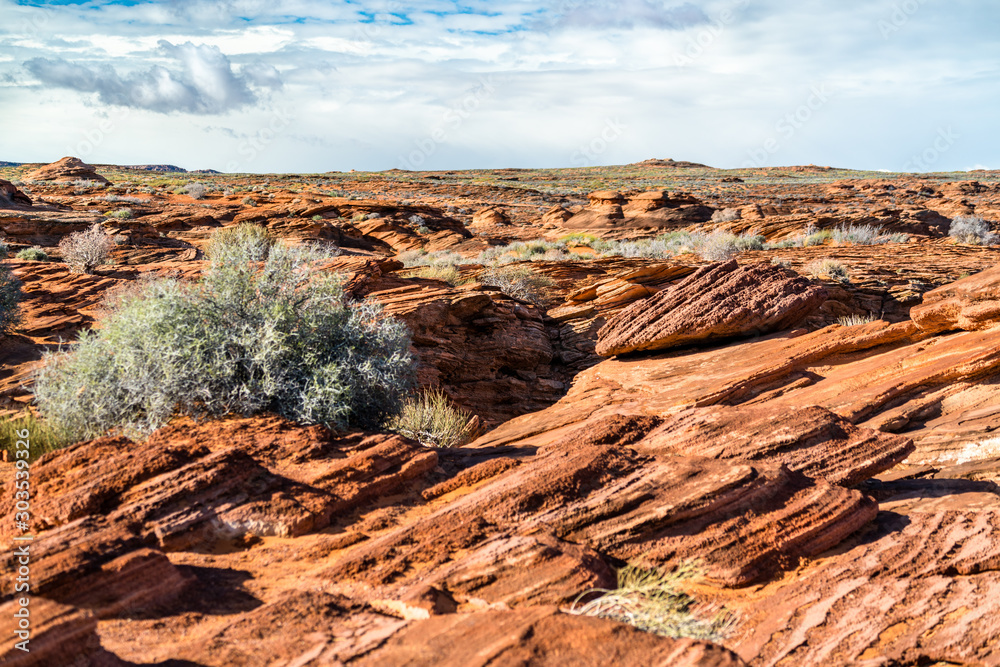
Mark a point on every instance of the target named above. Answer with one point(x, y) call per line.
point(249, 201)
point(829, 268)
point(253, 334)
point(448, 273)
point(42, 436)
point(855, 320)
point(4, 249)
point(417, 220)
point(519, 282)
point(85, 251)
point(433, 420)
point(121, 214)
point(35, 254)
point(243, 242)
point(579, 238)
point(118, 199)
point(784, 263)
point(865, 235)
point(655, 602)
point(10, 297)
point(727, 215)
point(195, 190)
point(719, 247)
point(973, 230)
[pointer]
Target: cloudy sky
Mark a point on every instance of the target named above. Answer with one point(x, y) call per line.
point(303, 86)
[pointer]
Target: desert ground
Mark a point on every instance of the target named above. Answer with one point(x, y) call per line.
point(775, 391)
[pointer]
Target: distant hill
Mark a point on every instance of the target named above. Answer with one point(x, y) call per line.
point(156, 167)
point(10, 164)
point(205, 171)
point(672, 163)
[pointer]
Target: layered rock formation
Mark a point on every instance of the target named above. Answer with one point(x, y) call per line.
point(68, 169)
point(716, 302)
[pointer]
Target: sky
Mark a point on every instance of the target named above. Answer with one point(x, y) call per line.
point(269, 86)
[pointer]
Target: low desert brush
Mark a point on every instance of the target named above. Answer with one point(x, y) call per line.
point(42, 436)
point(85, 251)
point(10, 298)
point(827, 268)
point(35, 254)
point(654, 602)
point(256, 333)
point(433, 420)
point(519, 282)
point(972, 229)
point(856, 320)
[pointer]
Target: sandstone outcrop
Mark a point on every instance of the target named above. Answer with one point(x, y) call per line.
point(68, 169)
point(11, 197)
point(610, 211)
point(716, 302)
point(971, 304)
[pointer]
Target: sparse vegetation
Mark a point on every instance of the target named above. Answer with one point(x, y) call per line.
point(433, 420)
point(726, 215)
point(85, 251)
point(519, 282)
point(655, 602)
point(121, 214)
point(448, 273)
point(246, 241)
point(827, 268)
point(195, 190)
point(255, 333)
point(44, 438)
point(10, 297)
point(35, 254)
point(866, 235)
point(973, 230)
point(856, 320)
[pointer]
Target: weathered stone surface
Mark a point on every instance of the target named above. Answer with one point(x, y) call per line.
point(629, 505)
point(67, 169)
point(716, 302)
point(971, 304)
point(812, 440)
point(59, 635)
point(922, 588)
point(539, 636)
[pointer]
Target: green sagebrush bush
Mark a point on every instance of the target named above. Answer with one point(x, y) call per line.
point(433, 420)
point(261, 331)
point(10, 297)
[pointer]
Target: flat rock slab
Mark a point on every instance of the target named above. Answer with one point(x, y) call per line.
point(716, 302)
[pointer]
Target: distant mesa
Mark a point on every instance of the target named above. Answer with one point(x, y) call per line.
point(67, 170)
point(156, 167)
point(10, 164)
point(205, 171)
point(673, 164)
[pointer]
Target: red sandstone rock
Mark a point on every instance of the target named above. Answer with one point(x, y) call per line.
point(971, 304)
point(716, 302)
point(10, 196)
point(67, 169)
point(539, 636)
